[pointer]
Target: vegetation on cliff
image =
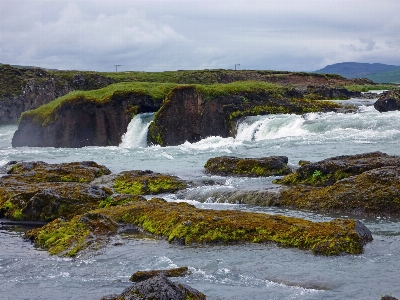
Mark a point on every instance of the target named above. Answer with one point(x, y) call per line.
point(183, 223)
point(48, 113)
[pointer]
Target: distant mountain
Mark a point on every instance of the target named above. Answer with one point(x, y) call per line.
point(379, 73)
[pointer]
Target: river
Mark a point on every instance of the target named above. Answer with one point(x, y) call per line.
point(224, 271)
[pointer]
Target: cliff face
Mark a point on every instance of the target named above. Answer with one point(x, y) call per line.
point(188, 115)
point(33, 95)
point(84, 123)
point(25, 89)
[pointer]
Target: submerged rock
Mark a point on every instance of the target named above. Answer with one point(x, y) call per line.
point(183, 223)
point(158, 287)
point(330, 170)
point(253, 167)
point(144, 275)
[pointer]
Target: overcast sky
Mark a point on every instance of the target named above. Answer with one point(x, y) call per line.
point(151, 35)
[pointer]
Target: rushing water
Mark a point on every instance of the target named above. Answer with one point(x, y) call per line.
point(221, 272)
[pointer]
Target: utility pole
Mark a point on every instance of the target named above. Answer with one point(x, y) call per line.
point(116, 67)
point(238, 65)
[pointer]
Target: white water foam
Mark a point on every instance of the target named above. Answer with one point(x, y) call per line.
point(136, 134)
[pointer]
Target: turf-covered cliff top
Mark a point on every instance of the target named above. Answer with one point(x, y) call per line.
point(14, 79)
point(157, 91)
point(45, 114)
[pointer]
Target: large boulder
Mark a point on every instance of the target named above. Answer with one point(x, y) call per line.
point(158, 287)
point(388, 101)
point(253, 167)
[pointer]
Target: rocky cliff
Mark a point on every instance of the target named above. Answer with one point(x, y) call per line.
point(25, 89)
point(190, 114)
point(81, 123)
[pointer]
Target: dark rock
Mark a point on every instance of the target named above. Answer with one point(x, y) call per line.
point(83, 123)
point(327, 92)
point(161, 288)
point(373, 192)
point(144, 275)
point(388, 298)
point(253, 167)
point(190, 115)
point(328, 171)
point(25, 89)
point(388, 101)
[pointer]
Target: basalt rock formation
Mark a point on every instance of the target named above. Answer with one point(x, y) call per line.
point(388, 101)
point(83, 123)
point(191, 115)
point(23, 89)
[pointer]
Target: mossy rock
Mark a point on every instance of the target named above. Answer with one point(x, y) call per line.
point(183, 223)
point(48, 201)
point(252, 167)
point(328, 171)
point(38, 171)
point(144, 275)
point(146, 182)
point(42, 191)
point(78, 234)
point(374, 192)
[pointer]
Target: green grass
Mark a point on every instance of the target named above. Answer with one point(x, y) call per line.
point(46, 114)
point(215, 90)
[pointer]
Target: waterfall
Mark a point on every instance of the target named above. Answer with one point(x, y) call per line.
point(136, 134)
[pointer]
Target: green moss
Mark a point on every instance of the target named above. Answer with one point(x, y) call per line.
point(266, 166)
point(58, 238)
point(183, 223)
point(132, 188)
point(141, 183)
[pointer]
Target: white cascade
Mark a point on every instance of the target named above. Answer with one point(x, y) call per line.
point(136, 134)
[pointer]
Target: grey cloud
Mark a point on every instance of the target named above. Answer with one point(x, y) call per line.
point(178, 34)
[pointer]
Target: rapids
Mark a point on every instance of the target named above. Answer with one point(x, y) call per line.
point(223, 271)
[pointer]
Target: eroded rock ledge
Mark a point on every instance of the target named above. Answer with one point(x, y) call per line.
point(362, 184)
